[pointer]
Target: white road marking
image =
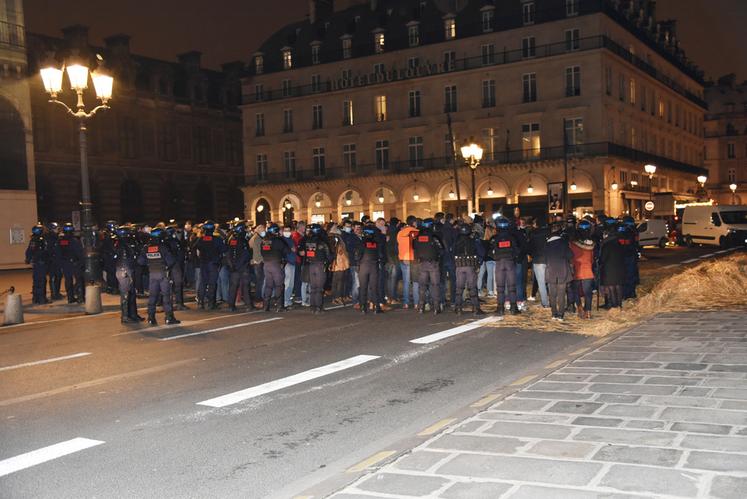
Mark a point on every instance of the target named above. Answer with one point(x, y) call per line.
point(709, 255)
point(233, 326)
point(723, 251)
point(431, 338)
point(691, 260)
point(45, 361)
point(272, 386)
point(39, 456)
point(670, 266)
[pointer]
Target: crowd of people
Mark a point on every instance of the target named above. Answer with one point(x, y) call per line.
point(432, 264)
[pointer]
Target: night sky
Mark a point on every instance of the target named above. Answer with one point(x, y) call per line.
point(711, 31)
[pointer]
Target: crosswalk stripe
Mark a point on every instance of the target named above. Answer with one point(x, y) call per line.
point(215, 330)
point(431, 338)
point(279, 384)
point(39, 456)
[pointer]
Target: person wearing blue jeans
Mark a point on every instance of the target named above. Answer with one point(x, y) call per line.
point(406, 281)
point(539, 273)
point(487, 269)
point(290, 269)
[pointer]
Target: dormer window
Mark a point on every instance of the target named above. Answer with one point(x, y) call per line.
point(450, 28)
point(379, 42)
point(287, 58)
point(315, 51)
point(413, 35)
point(347, 47)
point(259, 64)
point(488, 18)
point(528, 10)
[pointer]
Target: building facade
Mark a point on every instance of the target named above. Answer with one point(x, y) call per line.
point(726, 140)
point(169, 147)
point(17, 184)
point(348, 111)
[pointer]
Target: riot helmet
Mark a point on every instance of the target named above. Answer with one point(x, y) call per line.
point(156, 233)
point(273, 229)
point(502, 223)
point(239, 228)
point(208, 227)
point(37, 229)
point(111, 225)
point(68, 228)
point(315, 229)
point(427, 223)
point(584, 228)
point(369, 230)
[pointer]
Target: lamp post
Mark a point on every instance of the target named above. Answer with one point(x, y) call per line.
point(733, 189)
point(702, 179)
point(78, 76)
point(650, 170)
point(472, 154)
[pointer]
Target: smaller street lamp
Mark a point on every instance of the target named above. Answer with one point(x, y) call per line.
point(733, 188)
point(650, 170)
point(530, 189)
point(472, 154)
point(702, 179)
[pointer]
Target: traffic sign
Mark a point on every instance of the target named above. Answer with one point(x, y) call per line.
point(649, 206)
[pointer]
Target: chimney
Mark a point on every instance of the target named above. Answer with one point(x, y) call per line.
point(118, 44)
point(190, 60)
point(76, 36)
point(233, 69)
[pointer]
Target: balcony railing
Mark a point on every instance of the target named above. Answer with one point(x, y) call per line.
point(476, 62)
point(12, 34)
point(496, 158)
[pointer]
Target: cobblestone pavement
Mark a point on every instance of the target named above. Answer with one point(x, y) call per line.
point(661, 411)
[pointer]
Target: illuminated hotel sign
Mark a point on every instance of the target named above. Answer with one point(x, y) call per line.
point(388, 76)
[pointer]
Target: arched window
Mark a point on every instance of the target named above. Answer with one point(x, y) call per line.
point(13, 171)
point(131, 201)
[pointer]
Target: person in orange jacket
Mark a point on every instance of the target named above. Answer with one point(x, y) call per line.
point(405, 238)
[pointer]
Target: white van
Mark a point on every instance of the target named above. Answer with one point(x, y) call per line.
point(653, 232)
point(723, 226)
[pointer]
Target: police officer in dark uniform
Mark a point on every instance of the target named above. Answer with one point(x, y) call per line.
point(106, 249)
point(70, 256)
point(628, 238)
point(237, 258)
point(504, 249)
point(55, 264)
point(316, 254)
point(126, 254)
point(160, 261)
point(428, 249)
point(38, 254)
point(468, 255)
point(274, 254)
point(373, 254)
point(210, 249)
point(177, 248)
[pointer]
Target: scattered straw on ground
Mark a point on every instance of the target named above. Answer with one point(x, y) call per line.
point(712, 284)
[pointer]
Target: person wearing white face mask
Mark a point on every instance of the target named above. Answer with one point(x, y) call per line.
point(290, 267)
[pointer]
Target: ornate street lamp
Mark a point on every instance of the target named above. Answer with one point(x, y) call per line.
point(472, 154)
point(78, 76)
point(702, 179)
point(733, 188)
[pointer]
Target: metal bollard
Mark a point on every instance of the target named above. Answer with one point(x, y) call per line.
point(13, 313)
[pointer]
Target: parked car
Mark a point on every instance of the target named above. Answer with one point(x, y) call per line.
point(723, 226)
point(653, 232)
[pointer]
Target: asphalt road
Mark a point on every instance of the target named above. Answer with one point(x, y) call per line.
point(168, 415)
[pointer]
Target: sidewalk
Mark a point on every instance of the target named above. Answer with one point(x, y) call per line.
point(660, 411)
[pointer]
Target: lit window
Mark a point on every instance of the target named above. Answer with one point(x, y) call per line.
point(530, 140)
point(450, 29)
point(287, 59)
point(347, 113)
point(259, 64)
point(378, 43)
point(632, 92)
point(380, 103)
